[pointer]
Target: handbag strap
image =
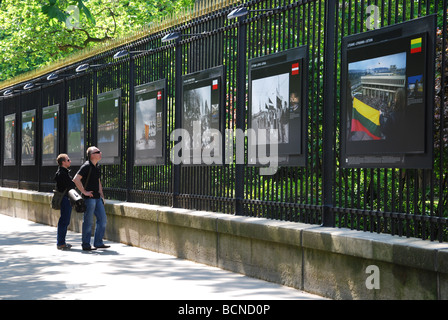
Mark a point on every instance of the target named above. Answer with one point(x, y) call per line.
point(88, 177)
point(62, 193)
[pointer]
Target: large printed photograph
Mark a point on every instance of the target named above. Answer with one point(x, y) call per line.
point(9, 149)
point(50, 119)
point(28, 137)
point(270, 105)
point(277, 104)
point(201, 113)
point(386, 114)
point(109, 139)
point(76, 130)
point(150, 112)
point(382, 108)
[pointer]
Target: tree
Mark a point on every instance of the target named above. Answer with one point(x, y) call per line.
point(34, 33)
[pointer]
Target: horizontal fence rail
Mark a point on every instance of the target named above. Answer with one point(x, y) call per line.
point(317, 189)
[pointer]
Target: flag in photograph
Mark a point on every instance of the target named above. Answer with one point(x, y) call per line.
point(215, 84)
point(416, 45)
point(295, 69)
point(366, 119)
point(159, 95)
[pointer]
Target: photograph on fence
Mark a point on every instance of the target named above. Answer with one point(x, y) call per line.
point(150, 123)
point(201, 116)
point(76, 130)
point(277, 105)
point(9, 147)
point(108, 126)
point(50, 120)
point(28, 137)
point(386, 104)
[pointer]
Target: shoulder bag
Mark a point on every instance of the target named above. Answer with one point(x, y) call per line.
point(56, 199)
point(76, 200)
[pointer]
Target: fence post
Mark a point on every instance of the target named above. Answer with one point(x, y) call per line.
point(240, 116)
point(63, 118)
point(38, 141)
point(131, 132)
point(328, 115)
point(177, 115)
point(93, 128)
point(2, 138)
point(19, 137)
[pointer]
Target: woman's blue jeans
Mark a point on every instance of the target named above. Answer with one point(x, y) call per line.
point(64, 220)
point(94, 207)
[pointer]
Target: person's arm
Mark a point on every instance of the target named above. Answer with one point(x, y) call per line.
point(100, 189)
point(78, 183)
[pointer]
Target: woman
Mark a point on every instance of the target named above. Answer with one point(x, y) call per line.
point(64, 183)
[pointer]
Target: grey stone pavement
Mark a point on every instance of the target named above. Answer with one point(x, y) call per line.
point(31, 268)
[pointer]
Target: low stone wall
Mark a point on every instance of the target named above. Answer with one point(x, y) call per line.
point(335, 263)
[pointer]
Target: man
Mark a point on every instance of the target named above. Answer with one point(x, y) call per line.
point(87, 180)
point(64, 183)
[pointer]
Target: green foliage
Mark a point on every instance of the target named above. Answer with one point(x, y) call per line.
point(35, 33)
point(53, 12)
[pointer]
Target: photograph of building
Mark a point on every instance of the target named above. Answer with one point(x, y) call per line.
point(375, 85)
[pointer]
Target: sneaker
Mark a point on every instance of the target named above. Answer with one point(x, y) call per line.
point(64, 247)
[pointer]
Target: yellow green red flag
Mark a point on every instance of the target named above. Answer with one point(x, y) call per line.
point(416, 45)
point(366, 119)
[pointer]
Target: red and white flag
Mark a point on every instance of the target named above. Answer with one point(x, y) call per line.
point(295, 69)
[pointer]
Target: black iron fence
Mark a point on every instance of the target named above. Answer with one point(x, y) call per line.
point(404, 202)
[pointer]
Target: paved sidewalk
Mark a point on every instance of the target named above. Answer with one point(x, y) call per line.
point(31, 268)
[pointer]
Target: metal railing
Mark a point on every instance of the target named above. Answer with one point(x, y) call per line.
point(404, 202)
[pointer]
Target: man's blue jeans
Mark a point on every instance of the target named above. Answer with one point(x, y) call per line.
point(94, 207)
point(64, 220)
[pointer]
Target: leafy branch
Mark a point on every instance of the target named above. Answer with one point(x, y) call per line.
point(55, 10)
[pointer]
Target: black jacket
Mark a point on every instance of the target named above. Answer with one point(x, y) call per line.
point(63, 180)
